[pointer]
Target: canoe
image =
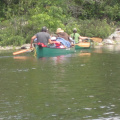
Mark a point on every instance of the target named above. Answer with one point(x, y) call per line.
point(51, 52)
point(83, 45)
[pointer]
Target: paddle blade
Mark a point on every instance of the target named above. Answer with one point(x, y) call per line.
point(21, 51)
point(96, 39)
point(86, 44)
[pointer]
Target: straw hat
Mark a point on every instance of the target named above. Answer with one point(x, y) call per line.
point(59, 30)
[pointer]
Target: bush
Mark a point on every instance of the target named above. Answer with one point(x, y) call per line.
point(14, 33)
point(40, 20)
point(92, 28)
point(13, 40)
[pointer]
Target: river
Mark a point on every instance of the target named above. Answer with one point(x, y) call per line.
point(84, 85)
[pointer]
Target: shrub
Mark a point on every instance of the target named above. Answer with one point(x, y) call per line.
point(13, 40)
point(92, 28)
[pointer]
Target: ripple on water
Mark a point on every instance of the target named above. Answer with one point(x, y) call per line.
point(23, 70)
point(110, 118)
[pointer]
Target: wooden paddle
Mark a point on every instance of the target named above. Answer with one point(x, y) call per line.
point(22, 51)
point(83, 44)
point(96, 39)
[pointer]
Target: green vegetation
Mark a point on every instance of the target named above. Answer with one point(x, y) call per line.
point(21, 19)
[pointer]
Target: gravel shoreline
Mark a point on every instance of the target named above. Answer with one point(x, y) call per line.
point(25, 46)
point(10, 47)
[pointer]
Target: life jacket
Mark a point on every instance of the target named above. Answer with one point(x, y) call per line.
point(41, 44)
point(57, 43)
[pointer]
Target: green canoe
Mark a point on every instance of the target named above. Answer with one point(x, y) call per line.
point(51, 52)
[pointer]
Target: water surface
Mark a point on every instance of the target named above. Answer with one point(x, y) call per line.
point(80, 86)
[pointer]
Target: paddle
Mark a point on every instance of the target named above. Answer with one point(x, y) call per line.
point(96, 39)
point(22, 51)
point(83, 44)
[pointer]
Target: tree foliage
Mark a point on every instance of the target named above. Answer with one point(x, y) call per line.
point(87, 9)
point(20, 19)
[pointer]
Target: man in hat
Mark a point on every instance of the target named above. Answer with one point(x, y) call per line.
point(63, 37)
point(42, 37)
point(60, 33)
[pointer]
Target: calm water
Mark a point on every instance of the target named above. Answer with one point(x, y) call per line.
point(81, 86)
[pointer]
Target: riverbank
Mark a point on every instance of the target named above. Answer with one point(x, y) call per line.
point(10, 47)
point(27, 46)
point(113, 39)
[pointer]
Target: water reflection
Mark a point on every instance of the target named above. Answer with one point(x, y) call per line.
point(58, 59)
point(115, 48)
point(84, 53)
point(81, 86)
point(61, 59)
point(65, 58)
point(107, 48)
point(21, 57)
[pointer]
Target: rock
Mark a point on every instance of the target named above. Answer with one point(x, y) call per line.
point(108, 41)
point(114, 38)
point(100, 43)
point(25, 46)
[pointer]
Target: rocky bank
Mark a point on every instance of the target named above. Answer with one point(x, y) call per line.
point(114, 38)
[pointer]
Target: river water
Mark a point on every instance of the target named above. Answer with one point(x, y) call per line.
point(84, 85)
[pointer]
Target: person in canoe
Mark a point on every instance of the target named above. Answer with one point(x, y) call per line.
point(63, 37)
point(43, 38)
point(76, 36)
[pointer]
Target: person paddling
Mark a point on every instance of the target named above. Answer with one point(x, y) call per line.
point(76, 36)
point(42, 37)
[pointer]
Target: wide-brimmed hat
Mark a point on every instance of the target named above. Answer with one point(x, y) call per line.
point(59, 30)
